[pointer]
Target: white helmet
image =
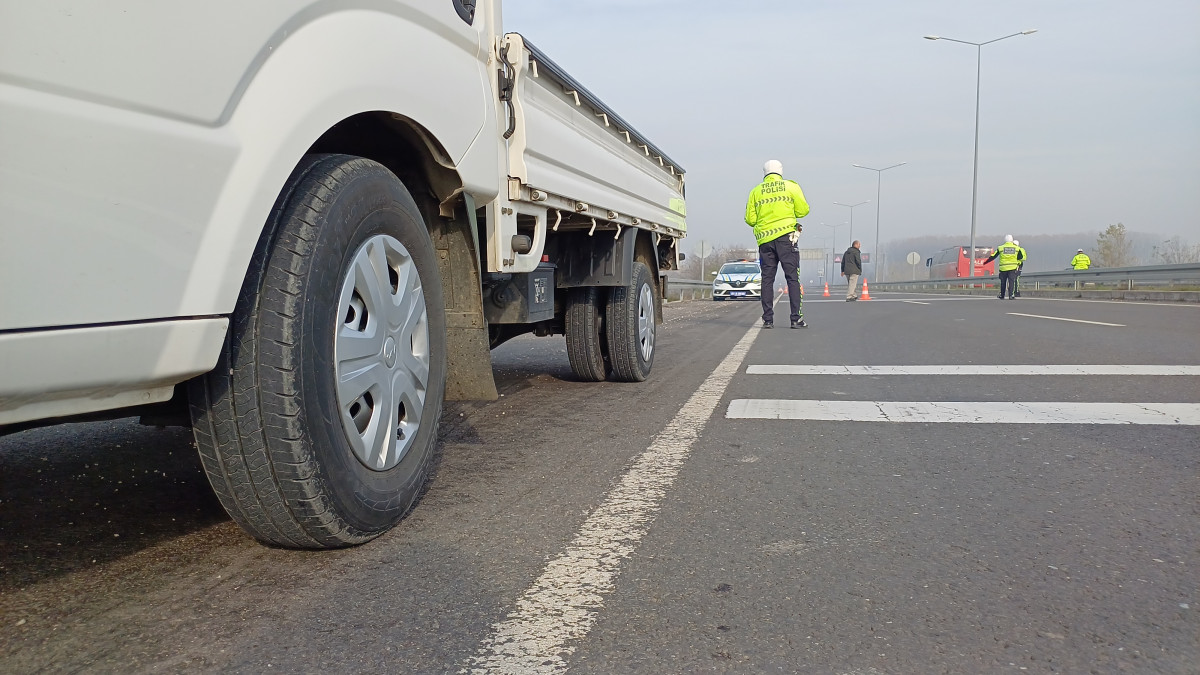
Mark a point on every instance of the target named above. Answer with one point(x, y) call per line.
point(1008, 238)
point(1016, 242)
point(773, 166)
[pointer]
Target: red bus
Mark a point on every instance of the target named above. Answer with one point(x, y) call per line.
point(955, 262)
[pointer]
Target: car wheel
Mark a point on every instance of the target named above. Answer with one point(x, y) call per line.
point(631, 327)
point(587, 345)
point(318, 427)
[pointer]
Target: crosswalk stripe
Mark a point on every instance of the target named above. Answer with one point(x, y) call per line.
point(967, 412)
point(952, 369)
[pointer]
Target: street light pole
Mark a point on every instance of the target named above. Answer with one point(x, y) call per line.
point(878, 182)
point(824, 258)
point(975, 171)
point(852, 215)
point(832, 248)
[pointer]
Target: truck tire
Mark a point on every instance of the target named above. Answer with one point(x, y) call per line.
point(587, 345)
point(318, 427)
point(631, 326)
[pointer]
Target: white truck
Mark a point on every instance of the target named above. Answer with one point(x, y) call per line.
point(300, 226)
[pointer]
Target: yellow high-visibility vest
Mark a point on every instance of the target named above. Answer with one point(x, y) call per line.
point(773, 207)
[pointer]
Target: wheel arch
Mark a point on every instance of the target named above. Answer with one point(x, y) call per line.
point(415, 156)
point(410, 152)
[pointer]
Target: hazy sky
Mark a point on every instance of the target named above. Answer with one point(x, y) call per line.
point(1092, 120)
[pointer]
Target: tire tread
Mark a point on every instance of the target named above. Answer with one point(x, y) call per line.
point(248, 415)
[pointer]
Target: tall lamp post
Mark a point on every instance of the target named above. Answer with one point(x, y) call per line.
point(824, 258)
point(852, 215)
point(878, 182)
point(975, 173)
point(832, 248)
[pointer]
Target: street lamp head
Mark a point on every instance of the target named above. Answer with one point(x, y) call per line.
point(1029, 32)
point(932, 37)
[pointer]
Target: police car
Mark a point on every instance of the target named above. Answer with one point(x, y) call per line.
point(739, 280)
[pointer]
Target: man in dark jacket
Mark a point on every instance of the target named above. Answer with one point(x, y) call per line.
point(852, 270)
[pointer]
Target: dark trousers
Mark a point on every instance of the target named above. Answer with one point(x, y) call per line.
point(1008, 280)
point(772, 255)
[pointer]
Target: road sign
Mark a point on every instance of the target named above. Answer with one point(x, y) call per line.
point(914, 258)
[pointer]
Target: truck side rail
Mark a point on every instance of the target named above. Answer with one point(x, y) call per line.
point(547, 67)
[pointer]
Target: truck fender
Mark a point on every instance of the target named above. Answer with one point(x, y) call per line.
point(306, 88)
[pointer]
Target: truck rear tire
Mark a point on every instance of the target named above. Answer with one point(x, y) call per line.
point(587, 345)
point(318, 427)
point(631, 326)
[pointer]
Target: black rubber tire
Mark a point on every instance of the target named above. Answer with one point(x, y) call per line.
point(624, 313)
point(266, 420)
point(587, 345)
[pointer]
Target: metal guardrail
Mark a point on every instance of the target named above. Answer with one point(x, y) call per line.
point(689, 289)
point(1119, 278)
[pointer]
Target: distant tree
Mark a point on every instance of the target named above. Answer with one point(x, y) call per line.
point(1113, 248)
point(706, 258)
point(1175, 250)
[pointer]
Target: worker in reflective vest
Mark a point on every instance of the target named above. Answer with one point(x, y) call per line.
point(773, 210)
point(1081, 261)
point(1010, 256)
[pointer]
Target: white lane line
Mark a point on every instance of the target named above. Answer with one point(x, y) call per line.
point(1031, 298)
point(950, 369)
point(882, 299)
point(915, 302)
point(1059, 318)
point(561, 605)
point(968, 412)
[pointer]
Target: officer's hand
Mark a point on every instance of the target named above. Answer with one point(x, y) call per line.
point(794, 237)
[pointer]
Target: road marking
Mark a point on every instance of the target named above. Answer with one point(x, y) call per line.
point(967, 412)
point(1015, 369)
point(561, 605)
point(1041, 298)
point(915, 302)
point(1059, 318)
point(882, 299)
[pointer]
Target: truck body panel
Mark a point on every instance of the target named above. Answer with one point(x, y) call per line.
point(114, 194)
point(140, 159)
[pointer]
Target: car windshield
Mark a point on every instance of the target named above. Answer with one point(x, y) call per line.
point(742, 268)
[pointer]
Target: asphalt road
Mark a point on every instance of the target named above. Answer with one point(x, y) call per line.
point(608, 528)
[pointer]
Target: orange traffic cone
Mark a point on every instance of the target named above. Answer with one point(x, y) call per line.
point(826, 293)
point(866, 294)
point(802, 290)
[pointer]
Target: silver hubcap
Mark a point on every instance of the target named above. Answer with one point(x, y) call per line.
point(381, 352)
point(646, 322)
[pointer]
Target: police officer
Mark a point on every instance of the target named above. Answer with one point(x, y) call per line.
point(1010, 256)
point(1081, 261)
point(773, 210)
point(1020, 267)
